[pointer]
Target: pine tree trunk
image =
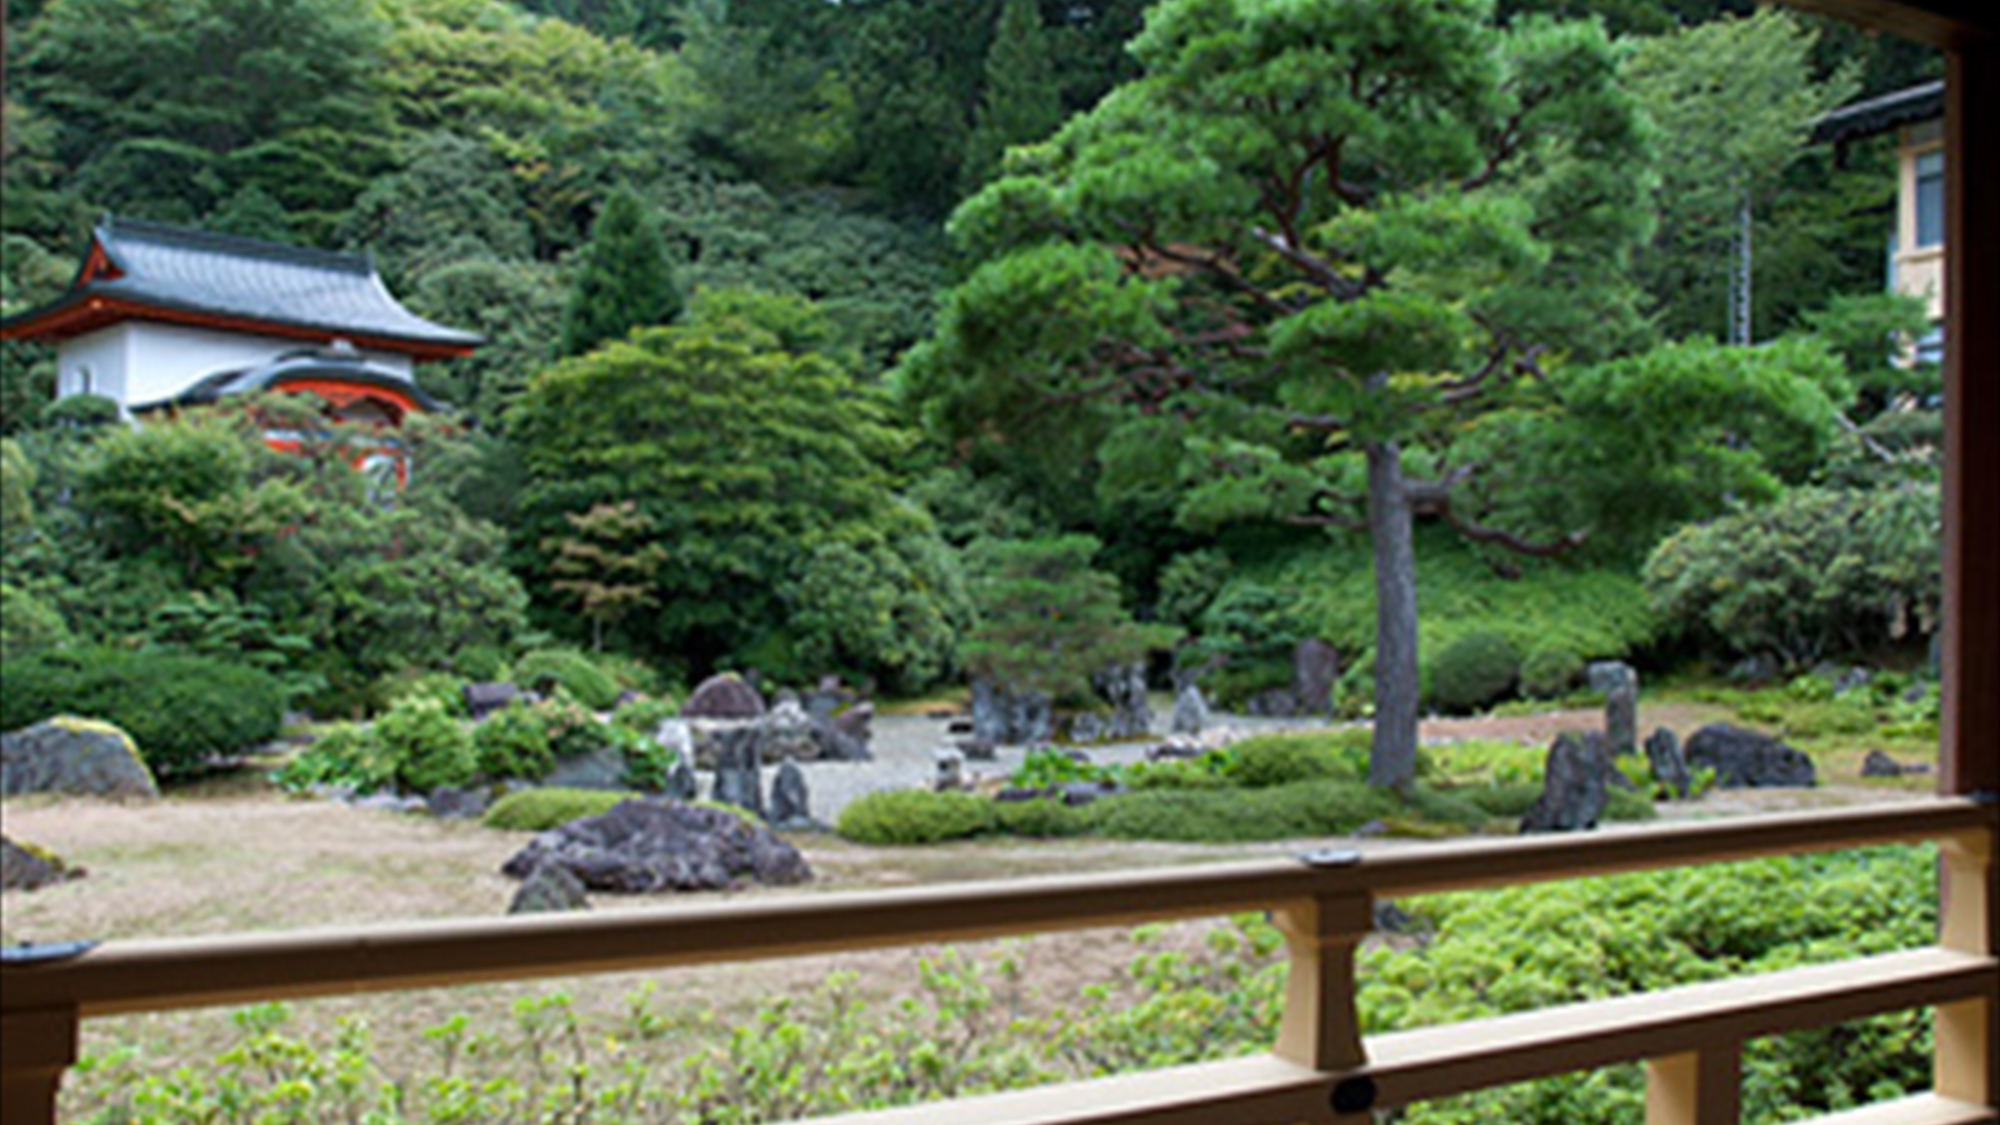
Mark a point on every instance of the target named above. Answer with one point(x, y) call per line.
point(1392, 761)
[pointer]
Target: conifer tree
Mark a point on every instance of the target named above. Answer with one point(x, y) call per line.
point(623, 282)
point(1022, 101)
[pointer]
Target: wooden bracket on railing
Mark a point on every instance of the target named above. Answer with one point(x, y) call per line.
point(35, 1048)
point(1967, 1062)
point(1319, 1028)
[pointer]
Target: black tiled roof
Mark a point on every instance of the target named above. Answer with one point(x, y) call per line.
point(192, 271)
point(1881, 114)
point(308, 363)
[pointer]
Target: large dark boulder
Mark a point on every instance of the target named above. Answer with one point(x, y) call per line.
point(1744, 759)
point(642, 847)
point(1573, 786)
point(75, 757)
point(723, 696)
point(26, 868)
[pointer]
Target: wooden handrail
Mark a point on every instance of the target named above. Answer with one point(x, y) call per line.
point(1320, 1071)
point(156, 975)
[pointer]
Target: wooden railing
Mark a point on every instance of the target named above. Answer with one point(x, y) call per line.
point(1321, 1068)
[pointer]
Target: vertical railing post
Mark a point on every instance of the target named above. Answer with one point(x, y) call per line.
point(1967, 1064)
point(1319, 1028)
point(1699, 1088)
point(35, 1049)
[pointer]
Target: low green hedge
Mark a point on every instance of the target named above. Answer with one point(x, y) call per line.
point(180, 710)
point(916, 816)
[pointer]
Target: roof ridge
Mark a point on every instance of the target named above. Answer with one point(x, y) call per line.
point(113, 227)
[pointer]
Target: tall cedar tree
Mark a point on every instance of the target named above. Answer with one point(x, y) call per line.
point(624, 281)
point(1022, 101)
point(1308, 243)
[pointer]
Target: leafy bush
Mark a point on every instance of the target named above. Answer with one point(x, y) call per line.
point(1819, 573)
point(644, 714)
point(447, 690)
point(547, 669)
point(538, 810)
point(1312, 808)
point(514, 742)
point(1473, 671)
point(915, 816)
point(1549, 671)
point(1042, 768)
point(1210, 771)
point(1044, 818)
point(426, 745)
point(480, 664)
point(344, 756)
point(647, 763)
point(28, 624)
point(573, 730)
point(1283, 759)
point(180, 710)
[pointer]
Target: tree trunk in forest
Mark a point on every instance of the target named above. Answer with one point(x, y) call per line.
point(1392, 760)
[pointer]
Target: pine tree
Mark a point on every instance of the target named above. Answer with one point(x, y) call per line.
point(606, 564)
point(1022, 101)
point(624, 281)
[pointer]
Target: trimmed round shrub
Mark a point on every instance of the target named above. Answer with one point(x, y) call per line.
point(427, 746)
point(538, 810)
point(1550, 671)
point(180, 710)
point(513, 742)
point(547, 669)
point(1474, 670)
point(916, 816)
point(1269, 760)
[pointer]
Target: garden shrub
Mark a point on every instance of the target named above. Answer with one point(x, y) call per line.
point(1283, 759)
point(343, 756)
point(544, 670)
point(426, 745)
point(573, 730)
point(647, 763)
point(538, 810)
point(1549, 671)
point(1042, 768)
point(513, 742)
point(445, 688)
point(480, 664)
point(1820, 573)
point(1210, 771)
point(1312, 808)
point(1044, 818)
point(644, 714)
point(180, 710)
point(915, 816)
point(1473, 671)
point(28, 624)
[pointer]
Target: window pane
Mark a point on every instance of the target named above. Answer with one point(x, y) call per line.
point(1930, 199)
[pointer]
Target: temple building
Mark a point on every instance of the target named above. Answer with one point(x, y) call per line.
point(161, 316)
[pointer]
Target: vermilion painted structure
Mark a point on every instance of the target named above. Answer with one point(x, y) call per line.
point(161, 317)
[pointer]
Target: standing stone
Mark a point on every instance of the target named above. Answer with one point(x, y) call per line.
point(1010, 718)
point(1670, 768)
point(75, 757)
point(738, 770)
point(1123, 686)
point(676, 738)
point(550, 888)
point(681, 783)
point(1190, 711)
point(1621, 719)
point(1315, 671)
point(845, 737)
point(1573, 786)
point(785, 733)
point(1607, 676)
point(791, 805)
point(1744, 759)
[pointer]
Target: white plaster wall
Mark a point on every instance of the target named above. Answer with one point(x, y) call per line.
point(157, 361)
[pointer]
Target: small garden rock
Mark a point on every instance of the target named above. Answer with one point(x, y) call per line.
point(1879, 764)
point(1663, 754)
point(455, 803)
point(1190, 711)
point(28, 868)
point(1744, 759)
point(549, 889)
point(642, 847)
point(74, 757)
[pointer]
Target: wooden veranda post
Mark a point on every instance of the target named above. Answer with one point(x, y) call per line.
point(1968, 1033)
point(37, 1046)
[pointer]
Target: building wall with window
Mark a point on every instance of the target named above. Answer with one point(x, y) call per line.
point(1919, 254)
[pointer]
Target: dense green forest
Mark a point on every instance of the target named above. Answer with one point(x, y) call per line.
point(809, 320)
